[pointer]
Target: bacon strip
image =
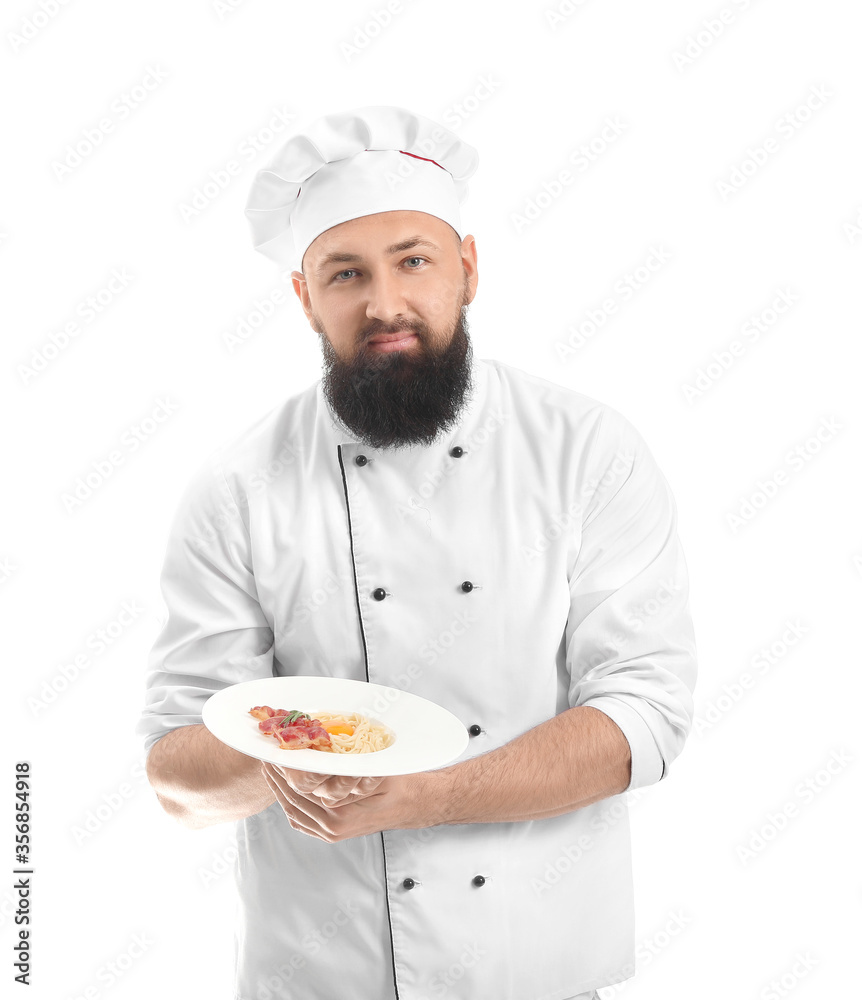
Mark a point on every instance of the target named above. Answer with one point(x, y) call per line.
point(295, 737)
point(299, 734)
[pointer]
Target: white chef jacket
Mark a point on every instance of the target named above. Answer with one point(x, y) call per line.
point(298, 550)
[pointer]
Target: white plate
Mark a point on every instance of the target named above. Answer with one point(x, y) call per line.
point(427, 736)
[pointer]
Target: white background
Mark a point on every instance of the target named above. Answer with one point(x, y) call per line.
point(118, 885)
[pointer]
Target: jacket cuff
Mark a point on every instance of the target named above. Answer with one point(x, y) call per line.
point(647, 762)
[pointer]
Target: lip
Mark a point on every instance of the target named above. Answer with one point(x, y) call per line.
point(393, 341)
point(388, 338)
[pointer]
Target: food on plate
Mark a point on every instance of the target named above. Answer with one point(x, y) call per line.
point(350, 732)
point(293, 730)
point(327, 731)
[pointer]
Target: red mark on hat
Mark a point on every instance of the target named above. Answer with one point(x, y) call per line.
point(425, 158)
point(414, 155)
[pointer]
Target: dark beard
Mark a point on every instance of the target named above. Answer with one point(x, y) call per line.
point(400, 397)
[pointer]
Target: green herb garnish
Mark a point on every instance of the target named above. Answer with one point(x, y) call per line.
point(292, 717)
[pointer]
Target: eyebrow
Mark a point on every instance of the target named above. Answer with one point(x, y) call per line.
point(352, 258)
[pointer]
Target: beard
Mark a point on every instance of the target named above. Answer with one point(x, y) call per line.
point(402, 397)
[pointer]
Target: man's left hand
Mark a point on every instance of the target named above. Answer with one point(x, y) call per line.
point(335, 807)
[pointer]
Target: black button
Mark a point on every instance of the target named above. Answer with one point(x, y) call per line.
point(408, 883)
point(457, 451)
point(478, 880)
point(361, 460)
point(466, 586)
point(474, 730)
point(379, 594)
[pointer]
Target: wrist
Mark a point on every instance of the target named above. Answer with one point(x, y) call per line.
point(432, 793)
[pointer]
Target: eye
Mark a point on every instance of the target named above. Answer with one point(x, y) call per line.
point(414, 258)
point(346, 271)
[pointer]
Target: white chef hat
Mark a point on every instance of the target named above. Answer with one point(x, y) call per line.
point(355, 163)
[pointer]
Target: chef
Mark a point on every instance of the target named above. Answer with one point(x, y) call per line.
point(440, 524)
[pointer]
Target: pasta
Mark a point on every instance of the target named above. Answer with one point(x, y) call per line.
point(367, 736)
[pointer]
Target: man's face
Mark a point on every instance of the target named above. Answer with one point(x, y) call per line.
point(387, 293)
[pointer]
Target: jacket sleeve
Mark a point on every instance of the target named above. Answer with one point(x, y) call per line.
point(630, 646)
point(216, 633)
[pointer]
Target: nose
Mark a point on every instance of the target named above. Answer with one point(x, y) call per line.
point(385, 299)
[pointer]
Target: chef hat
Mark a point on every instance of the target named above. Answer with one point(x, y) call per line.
point(354, 163)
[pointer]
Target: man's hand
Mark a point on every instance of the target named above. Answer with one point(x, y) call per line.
point(335, 807)
point(572, 760)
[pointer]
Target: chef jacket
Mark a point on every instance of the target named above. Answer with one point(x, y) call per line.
point(525, 563)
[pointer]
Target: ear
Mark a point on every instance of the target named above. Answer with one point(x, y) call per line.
point(468, 259)
point(300, 286)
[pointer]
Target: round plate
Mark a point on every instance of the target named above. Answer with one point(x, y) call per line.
point(426, 735)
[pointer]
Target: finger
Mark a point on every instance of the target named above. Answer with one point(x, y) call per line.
point(303, 781)
point(275, 788)
point(295, 785)
point(369, 784)
point(331, 790)
point(295, 808)
point(342, 789)
point(297, 800)
point(324, 787)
